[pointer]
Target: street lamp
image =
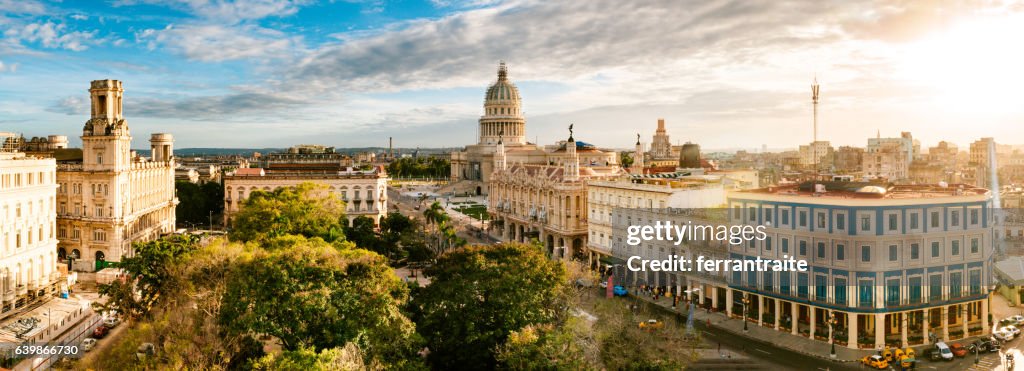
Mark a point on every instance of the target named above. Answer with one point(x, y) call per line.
point(746, 302)
point(831, 331)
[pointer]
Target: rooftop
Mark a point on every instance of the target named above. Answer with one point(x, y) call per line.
point(871, 190)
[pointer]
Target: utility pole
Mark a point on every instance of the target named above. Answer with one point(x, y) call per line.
point(211, 220)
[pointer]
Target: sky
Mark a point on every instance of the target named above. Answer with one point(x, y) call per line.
point(351, 73)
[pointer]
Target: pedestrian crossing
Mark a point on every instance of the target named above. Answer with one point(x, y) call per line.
point(987, 364)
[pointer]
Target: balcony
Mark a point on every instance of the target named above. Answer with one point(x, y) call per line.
point(10, 295)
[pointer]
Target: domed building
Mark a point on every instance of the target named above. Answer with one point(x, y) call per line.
point(503, 120)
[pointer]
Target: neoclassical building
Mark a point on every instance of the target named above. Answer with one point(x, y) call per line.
point(364, 192)
point(503, 120)
point(28, 244)
point(545, 197)
point(110, 197)
point(892, 265)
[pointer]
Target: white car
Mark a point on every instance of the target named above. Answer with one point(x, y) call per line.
point(111, 322)
point(88, 344)
point(1012, 329)
point(944, 351)
point(1003, 335)
point(1016, 319)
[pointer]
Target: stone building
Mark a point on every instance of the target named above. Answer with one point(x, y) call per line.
point(894, 265)
point(364, 192)
point(545, 198)
point(503, 119)
point(110, 197)
point(662, 152)
point(28, 243)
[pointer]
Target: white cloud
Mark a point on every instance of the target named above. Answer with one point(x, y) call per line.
point(8, 67)
point(52, 35)
point(216, 43)
point(228, 11)
point(22, 7)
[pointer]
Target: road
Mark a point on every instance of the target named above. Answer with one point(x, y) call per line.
point(407, 206)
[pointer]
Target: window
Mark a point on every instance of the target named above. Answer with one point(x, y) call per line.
point(974, 246)
point(76, 234)
point(935, 249)
point(768, 243)
point(865, 253)
point(784, 282)
point(914, 222)
point(840, 294)
point(768, 216)
point(785, 246)
point(955, 244)
point(975, 282)
point(821, 250)
point(865, 223)
point(955, 285)
point(935, 287)
point(915, 251)
point(803, 248)
point(892, 222)
point(935, 219)
point(766, 281)
point(801, 285)
point(974, 216)
point(752, 214)
point(785, 217)
point(820, 287)
point(821, 220)
point(893, 253)
point(841, 221)
point(866, 291)
point(840, 252)
point(736, 211)
point(892, 292)
point(99, 235)
point(99, 158)
point(954, 218)
point(803, 218)
point(915, 290)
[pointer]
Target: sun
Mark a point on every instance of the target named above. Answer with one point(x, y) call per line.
point(975, 66)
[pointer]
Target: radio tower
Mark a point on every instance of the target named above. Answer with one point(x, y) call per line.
point(814, 102)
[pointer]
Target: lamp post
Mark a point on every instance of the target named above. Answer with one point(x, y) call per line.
point(746, 302)
point(831, 332)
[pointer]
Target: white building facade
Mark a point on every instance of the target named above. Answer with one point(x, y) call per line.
point(28, 243)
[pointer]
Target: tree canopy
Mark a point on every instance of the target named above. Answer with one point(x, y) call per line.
point(198, 202)
point(313, 295)
point(481, 294)
point(307, 210)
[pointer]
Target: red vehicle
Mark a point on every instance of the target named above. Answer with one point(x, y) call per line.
point(959, 350)
point(100, 332)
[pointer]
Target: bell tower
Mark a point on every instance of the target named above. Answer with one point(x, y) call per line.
point(106, 143)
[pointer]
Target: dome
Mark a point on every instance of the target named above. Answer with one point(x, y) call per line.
point(503, 89)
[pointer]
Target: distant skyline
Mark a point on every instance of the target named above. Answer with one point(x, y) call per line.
point(351, 73)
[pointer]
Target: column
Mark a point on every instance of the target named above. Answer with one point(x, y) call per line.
point(924, 326)
point(904, 324)
point(728, 301)
point(714, 296)
point(879, 330)
point(794, 321)
point(984, 317)
point(702, 293)
point(963, 317)
point(945, 323)
point(813, 313)
point(851, 330)
point(760, 310)
point(778, 313)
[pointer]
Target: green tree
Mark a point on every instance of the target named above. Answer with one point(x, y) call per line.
point(625, 159)
point(363, 233)
point(348, 358)
point(198, 203)
point(147, 274)
point(313, 295)
point(307, 210)
point(479, 295)
point(549, 347)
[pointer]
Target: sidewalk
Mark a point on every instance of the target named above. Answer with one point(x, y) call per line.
point(799, 344)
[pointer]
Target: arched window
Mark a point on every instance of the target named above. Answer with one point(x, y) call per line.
point(100, 256)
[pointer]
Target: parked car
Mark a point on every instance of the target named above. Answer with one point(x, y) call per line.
point(1002, 335)
point(944, 351)
point(984, 345)
point(933, 354)
point(907, 359)
point(619, 291)
point(1013, 330)
point(100, 332)
point(651, 324)
point(959, 350)
point(1015, 319)
point(88, 344)
point(111, 322)
point(875, 361)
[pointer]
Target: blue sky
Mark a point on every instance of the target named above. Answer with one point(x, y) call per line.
point(726, 74)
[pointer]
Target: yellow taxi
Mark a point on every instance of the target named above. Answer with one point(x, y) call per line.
point(651, 324)
point(875, 361)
